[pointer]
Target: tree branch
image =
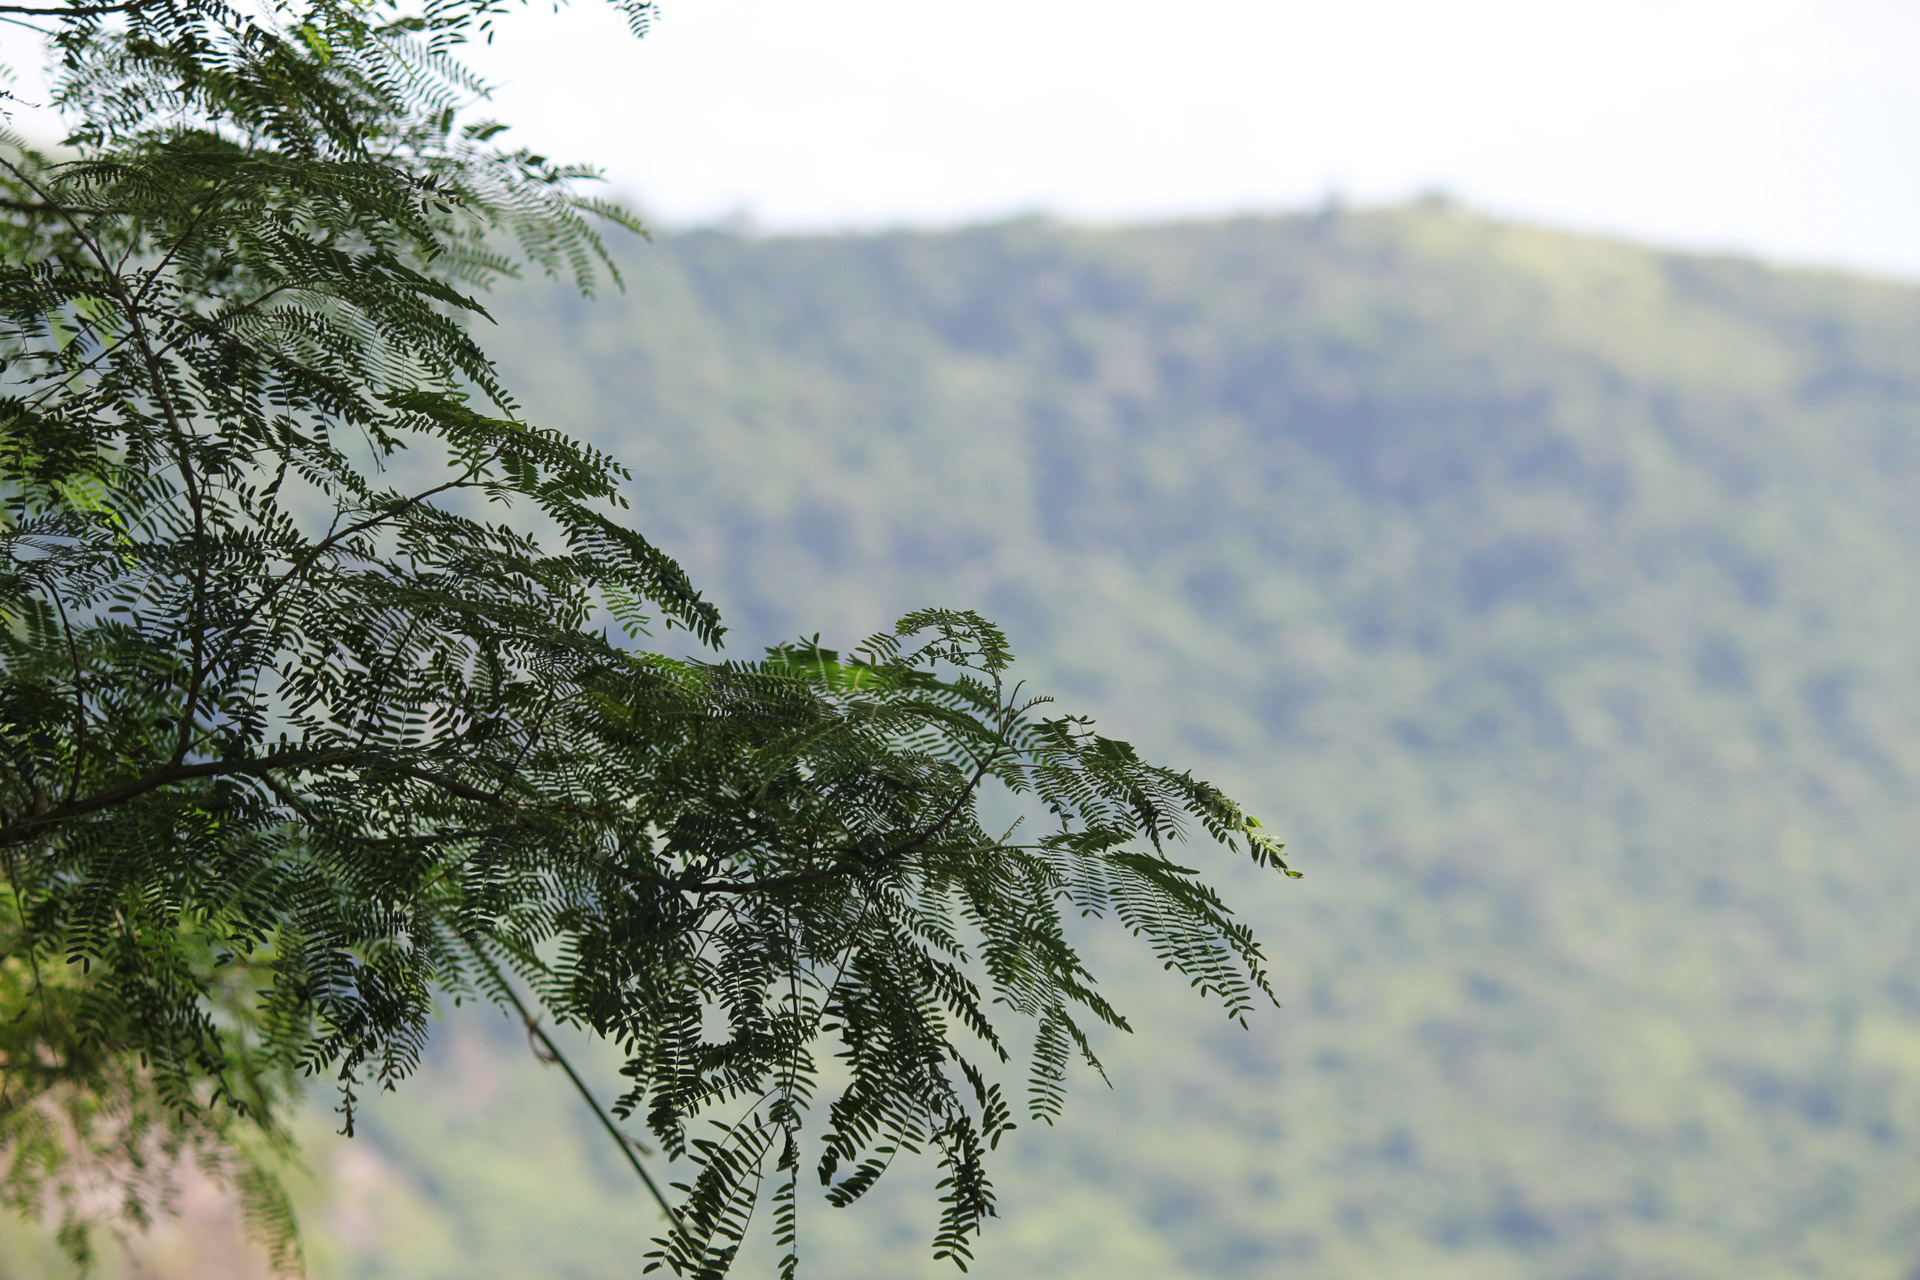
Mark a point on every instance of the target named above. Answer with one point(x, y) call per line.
point(551, 1053)
point(19, 828)
point(74, 10)
point(916, 844)
point(335, 537)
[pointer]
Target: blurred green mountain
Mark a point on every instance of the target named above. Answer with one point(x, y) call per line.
point(1555, 598)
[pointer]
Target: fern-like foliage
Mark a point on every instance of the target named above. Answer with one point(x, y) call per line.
point(289, 748)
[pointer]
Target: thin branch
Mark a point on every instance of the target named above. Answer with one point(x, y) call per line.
point(130, 307)
point(335, 537)
point(166, 775)
point(917, 844)
point(79, 692)
point(116, 287)
point(553, 1053)
point(75, 10)
point(377, 695)
point(193, 224)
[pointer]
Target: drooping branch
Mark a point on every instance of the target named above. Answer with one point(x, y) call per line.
point(549, 1052)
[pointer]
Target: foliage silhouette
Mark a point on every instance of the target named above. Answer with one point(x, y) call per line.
point(291, 747)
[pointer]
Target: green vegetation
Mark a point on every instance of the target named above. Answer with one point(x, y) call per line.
point(1556, 599)
point(324, 697)
point(1553, 597)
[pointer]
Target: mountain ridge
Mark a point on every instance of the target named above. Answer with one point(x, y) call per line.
point(1553, 597)
point(1593, 565)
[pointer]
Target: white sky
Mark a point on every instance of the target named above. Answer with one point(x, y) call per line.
point(1789, 128)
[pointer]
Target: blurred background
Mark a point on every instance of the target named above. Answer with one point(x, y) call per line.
point(1484, 436)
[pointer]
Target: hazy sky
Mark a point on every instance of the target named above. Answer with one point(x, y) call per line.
point(1785, 127)
point(1789, 128)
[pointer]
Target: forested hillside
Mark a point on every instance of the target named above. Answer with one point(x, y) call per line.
point(1555, 599)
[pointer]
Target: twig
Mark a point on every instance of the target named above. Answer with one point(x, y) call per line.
point(73, 10)
point(554, 1054)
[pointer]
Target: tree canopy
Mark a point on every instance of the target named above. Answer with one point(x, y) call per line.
point(327, 689)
